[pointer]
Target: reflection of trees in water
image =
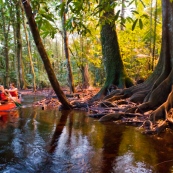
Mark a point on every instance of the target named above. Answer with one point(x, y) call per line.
point(163, 146)
point(111, 142)
point(135, 152)
point(58, 131)
point(30, 138)
point(70, 140)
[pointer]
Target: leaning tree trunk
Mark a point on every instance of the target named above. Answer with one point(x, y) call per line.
point(43, 54)
point(115, 72)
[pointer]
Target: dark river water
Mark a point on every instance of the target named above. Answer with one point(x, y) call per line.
point(33, 140)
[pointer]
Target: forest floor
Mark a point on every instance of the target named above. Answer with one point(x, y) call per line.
point(51, 100)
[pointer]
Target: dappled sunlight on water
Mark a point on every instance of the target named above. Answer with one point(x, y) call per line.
point(35, 140)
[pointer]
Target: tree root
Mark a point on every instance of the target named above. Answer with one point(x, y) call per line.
point(139, 96)
point(116, 97)
point(164, 111)
point(97, 115)
point(111, 117)
point(162, 126)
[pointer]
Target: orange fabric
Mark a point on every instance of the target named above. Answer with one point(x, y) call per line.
point(3, 96)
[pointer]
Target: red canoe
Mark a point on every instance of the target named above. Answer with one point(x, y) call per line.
point(7, 106)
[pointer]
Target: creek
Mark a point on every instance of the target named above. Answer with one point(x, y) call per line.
point(33, 140)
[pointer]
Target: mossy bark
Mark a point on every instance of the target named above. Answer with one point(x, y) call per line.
point(115, 72)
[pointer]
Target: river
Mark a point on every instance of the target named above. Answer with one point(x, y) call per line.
point(33, 140)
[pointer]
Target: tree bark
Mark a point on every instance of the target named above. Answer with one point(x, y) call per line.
point(67, 55)
point(84, 66)
point(15, 63)
point(115, 72)
point(51, 75)
point(122, 14)
point(5, 29)
point(85, 77)
point(29, 52)
point(19, 46)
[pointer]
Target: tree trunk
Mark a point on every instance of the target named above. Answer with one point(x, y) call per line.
point(122, 14)
point(151, 35)
point(84, 66)
point(15, 63)
point(51, 75)
point(154, 37)
point(67, 55)
point(6, 51)
point(19, 46)
point(5, 29)
point(85, 77)
point(29, 52)
point(115, 72)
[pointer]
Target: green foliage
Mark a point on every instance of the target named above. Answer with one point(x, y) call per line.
point(46, 21)
point(82, 23)
point(76, 23)
point(134, 24)
point(139, 19)
point(86, 50)
point(46, 28)
point(136, 44)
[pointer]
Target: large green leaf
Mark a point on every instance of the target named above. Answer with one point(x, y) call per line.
point(140, 24)
point(134, 24)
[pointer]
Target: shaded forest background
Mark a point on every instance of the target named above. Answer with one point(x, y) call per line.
point(138, 26)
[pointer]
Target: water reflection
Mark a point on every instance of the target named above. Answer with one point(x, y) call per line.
point(58, 131)
point(34, 140)
point(136, 153)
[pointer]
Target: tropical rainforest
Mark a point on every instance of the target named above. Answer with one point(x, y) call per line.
point(123, 47)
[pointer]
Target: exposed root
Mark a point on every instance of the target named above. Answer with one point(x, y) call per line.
point(116, 97)
point(139, 96)
point(162, 126)
point(164, 111)
point(111, 117)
